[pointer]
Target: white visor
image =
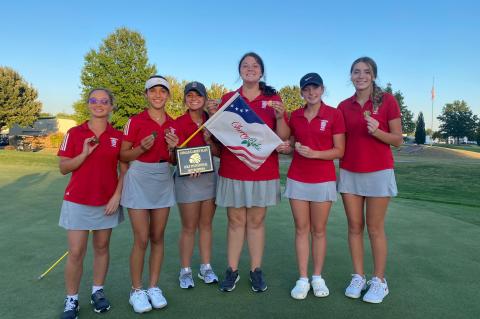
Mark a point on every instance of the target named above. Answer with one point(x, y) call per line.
point(157, 81)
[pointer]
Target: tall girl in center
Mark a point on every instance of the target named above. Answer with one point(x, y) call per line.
point(247, 193)
point(318, 138)
point(148, 190)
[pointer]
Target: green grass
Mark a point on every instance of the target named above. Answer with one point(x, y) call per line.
point(471, 148)
point(432, 268)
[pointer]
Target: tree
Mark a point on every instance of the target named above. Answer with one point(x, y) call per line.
point(420, 130)
point(291, 97)
point(408, 126)
point(121, 65)
point(176, 106)
point(18, 100)
point(457, 120)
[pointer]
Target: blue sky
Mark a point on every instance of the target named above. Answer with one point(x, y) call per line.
point(411, 41)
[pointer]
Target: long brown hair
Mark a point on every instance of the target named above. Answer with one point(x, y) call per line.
point(377, 92)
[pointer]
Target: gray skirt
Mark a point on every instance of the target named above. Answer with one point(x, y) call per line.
point(148, 186)
point(75, 216)
point(375, 184)
point(312, 192)
point(189, 190)
point(235, 193)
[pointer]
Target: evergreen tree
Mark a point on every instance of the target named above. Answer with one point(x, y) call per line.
point(18, 100)
point(420, 130)
point(408, 126)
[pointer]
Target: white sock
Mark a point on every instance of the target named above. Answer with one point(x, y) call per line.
point(185, 270)
point(205, 266)
point(74, 297)
point(316, 277)
point(304, 279)
point(96, 288)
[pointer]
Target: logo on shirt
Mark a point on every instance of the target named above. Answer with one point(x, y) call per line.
point(264, 104)
point(114, 141)
point(323, 125)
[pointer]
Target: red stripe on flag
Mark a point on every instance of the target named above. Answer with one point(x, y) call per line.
point(247, 151)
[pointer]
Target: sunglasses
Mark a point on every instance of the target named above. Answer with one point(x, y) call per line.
point(93, 100)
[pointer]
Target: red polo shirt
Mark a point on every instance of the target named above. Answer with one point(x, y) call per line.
point(230, 166)
point(318, 135)
point(141, 125)
point(95, 181)
point(186, 127)
point(365, 153)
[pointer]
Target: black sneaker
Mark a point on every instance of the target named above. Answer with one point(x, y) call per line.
point(71, 309)
point(100, 302)
point(231, 278)
point(258, 283)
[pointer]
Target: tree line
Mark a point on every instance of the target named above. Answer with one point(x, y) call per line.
point(121, 65)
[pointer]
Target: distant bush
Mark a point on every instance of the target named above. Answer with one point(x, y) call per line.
point(54, 140)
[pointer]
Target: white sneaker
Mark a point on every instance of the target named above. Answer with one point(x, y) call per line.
point(156, 297)
point(207, 275)
point(186, 279)
point(320, 288)
point(300, 291)
point(356, 286)
point(377, 291)
point(139, 301)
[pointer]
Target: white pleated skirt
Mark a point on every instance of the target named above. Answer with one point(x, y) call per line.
point(148, 186)
point(75, 216)
point(312, 192)
point(236, 193)
point(375, 184)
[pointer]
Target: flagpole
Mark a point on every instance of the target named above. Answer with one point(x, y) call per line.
point(214, 116)
point(433, 99)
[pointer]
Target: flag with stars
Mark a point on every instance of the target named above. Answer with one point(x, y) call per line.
point(239, 129)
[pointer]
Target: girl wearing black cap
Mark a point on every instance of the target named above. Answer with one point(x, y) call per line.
point(195, 194)
point(317, 138)
point(367, 180)
point(148, 190)
point(247, 193)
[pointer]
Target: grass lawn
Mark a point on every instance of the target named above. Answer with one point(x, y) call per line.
point(433, 229)
point(471, 148)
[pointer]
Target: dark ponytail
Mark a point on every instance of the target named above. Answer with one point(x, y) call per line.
point(267, 90)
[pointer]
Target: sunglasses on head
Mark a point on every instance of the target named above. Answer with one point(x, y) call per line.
point(93, 100)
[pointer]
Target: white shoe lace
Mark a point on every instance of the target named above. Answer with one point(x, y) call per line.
point(69, 304)
point(356, 282)
point(375, 286)
point(186, 278)
point(140, 296)
point(209, 274)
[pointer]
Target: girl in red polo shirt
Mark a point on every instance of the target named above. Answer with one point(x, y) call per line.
point(318, 138)
point(367, 180)
point(195, 194)
point(148, 190)
point(247, 193)
point(90, 152)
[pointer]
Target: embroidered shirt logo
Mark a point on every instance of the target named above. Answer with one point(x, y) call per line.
point(114, 141)
point(323, 125)
point(264, 104)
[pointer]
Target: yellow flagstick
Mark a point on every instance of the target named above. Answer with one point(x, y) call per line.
point(210, 119)
point(52, 266)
